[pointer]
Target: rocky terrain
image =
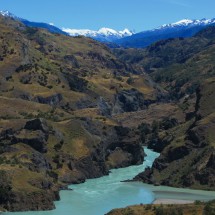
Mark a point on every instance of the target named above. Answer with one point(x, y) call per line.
point(187, 147)
point(72, 109)
point(58, 96)
point(190, 144)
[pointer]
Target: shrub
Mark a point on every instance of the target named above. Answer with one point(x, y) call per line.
point(130, 81)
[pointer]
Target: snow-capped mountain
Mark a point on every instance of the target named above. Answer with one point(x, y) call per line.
point(188, 22)
point(6, 13)
point(126, 38)
point(103, 34)
point(183, 28)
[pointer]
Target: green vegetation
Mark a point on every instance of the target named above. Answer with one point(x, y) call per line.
point(189, 209)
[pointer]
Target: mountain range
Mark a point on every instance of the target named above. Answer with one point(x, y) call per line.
point(127, 38)
point(184, 28)
point(103, 34)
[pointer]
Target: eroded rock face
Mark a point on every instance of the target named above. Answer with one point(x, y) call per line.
point(34, 134)
point(36, 162)
point(188, 160)
point(119, 148)
point(104, 107)
point(71, 59)
point(28, 145)
point(37, 124)
point(184, 166)
point(35, 139)
point(119, 158)
point(145, 176)
point(125, 149)
point(72, 177)
point(14, 200)
point(51, 100)
point(36, 201)
point(128, 101)
point(5, 187)
point(76, 83)
point(6, 133)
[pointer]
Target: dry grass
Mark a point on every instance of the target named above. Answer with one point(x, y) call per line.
point(188, 209)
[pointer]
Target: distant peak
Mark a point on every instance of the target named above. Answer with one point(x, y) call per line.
point(183, 22)
point(127, 31)
point(107, 31)
point(6, 13)
point(187, 22)
point(102, 34)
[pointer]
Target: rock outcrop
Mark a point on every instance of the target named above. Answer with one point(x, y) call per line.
point(128, 101)
point(52, 100)
point(188, 160)
point(48, 168)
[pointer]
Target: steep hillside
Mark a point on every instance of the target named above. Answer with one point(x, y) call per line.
point(187, 156)
point(179, 65)
point(191, 145)
point(59, 96)
point(191, 85)
point(184, 68)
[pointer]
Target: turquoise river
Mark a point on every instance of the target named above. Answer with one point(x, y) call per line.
point(100, 195)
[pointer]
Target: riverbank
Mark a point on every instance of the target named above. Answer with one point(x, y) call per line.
point(197, 208)
point(171, 201)
point(172, 195)
point(111, 193)
point(108, 191)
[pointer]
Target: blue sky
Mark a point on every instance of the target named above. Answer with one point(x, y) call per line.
point(136, 15)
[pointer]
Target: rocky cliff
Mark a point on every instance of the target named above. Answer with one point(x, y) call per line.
point(188, 159)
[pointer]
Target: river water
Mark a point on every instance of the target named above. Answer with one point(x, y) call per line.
point(100, 195)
